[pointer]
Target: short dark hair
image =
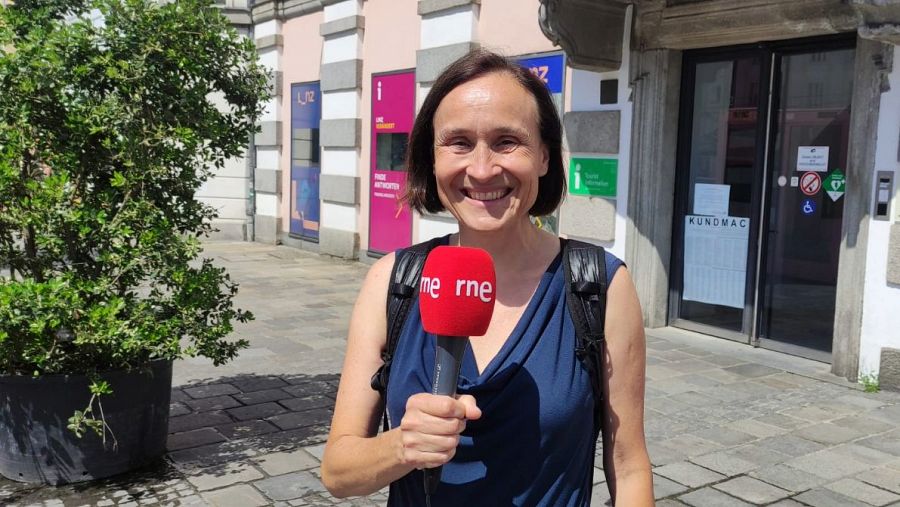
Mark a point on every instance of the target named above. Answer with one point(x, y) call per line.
point(421, 189)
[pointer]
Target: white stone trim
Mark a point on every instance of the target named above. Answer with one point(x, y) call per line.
point(339, 161)
point(452, 26)
point(339, 216)
point(267, 204)
point(340, 105)
point(339, 49)
point(342, 10)
point(268, 158)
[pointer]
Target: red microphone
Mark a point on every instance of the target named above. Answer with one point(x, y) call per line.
point(456, 299)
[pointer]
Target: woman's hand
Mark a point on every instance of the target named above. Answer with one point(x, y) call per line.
point(430, 428)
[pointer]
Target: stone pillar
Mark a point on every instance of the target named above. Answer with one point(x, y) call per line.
point(656, 75)
point(267, 173)
point(868, 85)
point(448, 31)
point(340, 130)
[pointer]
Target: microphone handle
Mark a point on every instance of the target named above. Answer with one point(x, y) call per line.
point(448, 356)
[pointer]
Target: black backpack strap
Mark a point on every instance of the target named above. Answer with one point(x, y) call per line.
point(585, 270)
point(403, 288)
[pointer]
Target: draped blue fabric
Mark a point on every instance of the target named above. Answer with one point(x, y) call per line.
point(532, 445)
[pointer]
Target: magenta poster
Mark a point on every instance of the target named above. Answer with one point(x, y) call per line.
point(393, 109)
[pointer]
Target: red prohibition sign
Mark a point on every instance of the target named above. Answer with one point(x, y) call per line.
point(810, 183)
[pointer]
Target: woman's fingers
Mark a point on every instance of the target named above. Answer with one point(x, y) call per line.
point(431, 426)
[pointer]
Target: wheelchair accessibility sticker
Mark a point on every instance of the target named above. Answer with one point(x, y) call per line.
point(808, 207)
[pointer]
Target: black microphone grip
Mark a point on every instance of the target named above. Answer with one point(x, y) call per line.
point(448, 356)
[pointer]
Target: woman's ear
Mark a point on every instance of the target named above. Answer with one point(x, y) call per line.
point(545, 160)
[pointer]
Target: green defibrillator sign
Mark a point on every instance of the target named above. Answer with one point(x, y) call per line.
point(593, 176)
point(835, 185)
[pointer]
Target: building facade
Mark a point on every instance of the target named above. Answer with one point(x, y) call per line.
point(740, 156)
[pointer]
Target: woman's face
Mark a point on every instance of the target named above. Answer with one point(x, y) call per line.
point(488, 152)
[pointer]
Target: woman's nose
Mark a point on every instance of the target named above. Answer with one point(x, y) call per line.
point(483, 165)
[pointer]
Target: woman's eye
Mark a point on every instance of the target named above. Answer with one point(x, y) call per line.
point(506, 144)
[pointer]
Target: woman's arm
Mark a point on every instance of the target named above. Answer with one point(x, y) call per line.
point(625, 460)
point(358, 460)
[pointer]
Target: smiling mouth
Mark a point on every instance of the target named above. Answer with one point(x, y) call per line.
point(486, 196)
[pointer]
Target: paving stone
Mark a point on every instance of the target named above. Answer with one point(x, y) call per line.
point(724, 436)
point(213, 403)
point(310, 388)
point(810, 413)
point(260, 411)
point(688, 474)
point(829, 434)
point(242, 495)
point(828, 464)
point(307, 403)
point(177, 409)
point(292, 420)
point(752, 370)
point(884, 478)
point(708, 497)
point(263, 396)
point(254, 383)
point(210, 390)
point(663, 487)
point(864, 424)
point(197, 421)
point(752, 490)
point(245, 429)
point(863, 454)
point(600, 496)
point(755, 454)
point(279, 463)
point(224, 476)
point(887, 442)
point(790, 445)
point(724, 463)
point(690, 445)
point(782, 421)
point(863, 492)
point(755, 428)
point(821, 497)
point(788, 478)
point(193, 438)
point(290, 486)
point(787, 502)
point(188, 460)
point(317, 451)
point(668, 502)
point(660, 455)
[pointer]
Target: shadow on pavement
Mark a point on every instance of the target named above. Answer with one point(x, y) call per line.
point(217, 427)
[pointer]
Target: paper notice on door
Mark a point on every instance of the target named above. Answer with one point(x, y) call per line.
point(812, 158)
point(715, 259)
point(711, 199)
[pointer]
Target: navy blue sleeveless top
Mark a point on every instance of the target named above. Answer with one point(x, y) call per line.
point(532, 445)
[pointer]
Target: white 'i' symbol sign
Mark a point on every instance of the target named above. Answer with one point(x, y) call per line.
point(379, 91)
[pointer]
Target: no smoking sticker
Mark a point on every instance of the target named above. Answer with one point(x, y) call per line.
point(810, 183)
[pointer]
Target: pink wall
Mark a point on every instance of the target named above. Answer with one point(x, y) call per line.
point(300, 63)
point(390, 44)
point(510, 27)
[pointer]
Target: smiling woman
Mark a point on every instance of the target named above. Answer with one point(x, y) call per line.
point(486, 146)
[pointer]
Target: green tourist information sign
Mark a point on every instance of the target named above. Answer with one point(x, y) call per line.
point(593, 176)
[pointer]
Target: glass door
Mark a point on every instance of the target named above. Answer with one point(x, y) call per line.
point(763, 147)
point(811, 108)
point(721, 159)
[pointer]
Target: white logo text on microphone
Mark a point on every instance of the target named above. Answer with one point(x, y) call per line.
point(468, 288)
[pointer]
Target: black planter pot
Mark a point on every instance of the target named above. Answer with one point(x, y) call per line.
point(36, 445)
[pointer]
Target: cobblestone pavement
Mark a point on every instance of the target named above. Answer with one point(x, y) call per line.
point(727, 425)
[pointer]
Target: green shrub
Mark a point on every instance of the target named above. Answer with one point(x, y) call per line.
point(107, 129)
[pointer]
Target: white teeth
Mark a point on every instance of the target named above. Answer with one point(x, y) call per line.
point(486, 196)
